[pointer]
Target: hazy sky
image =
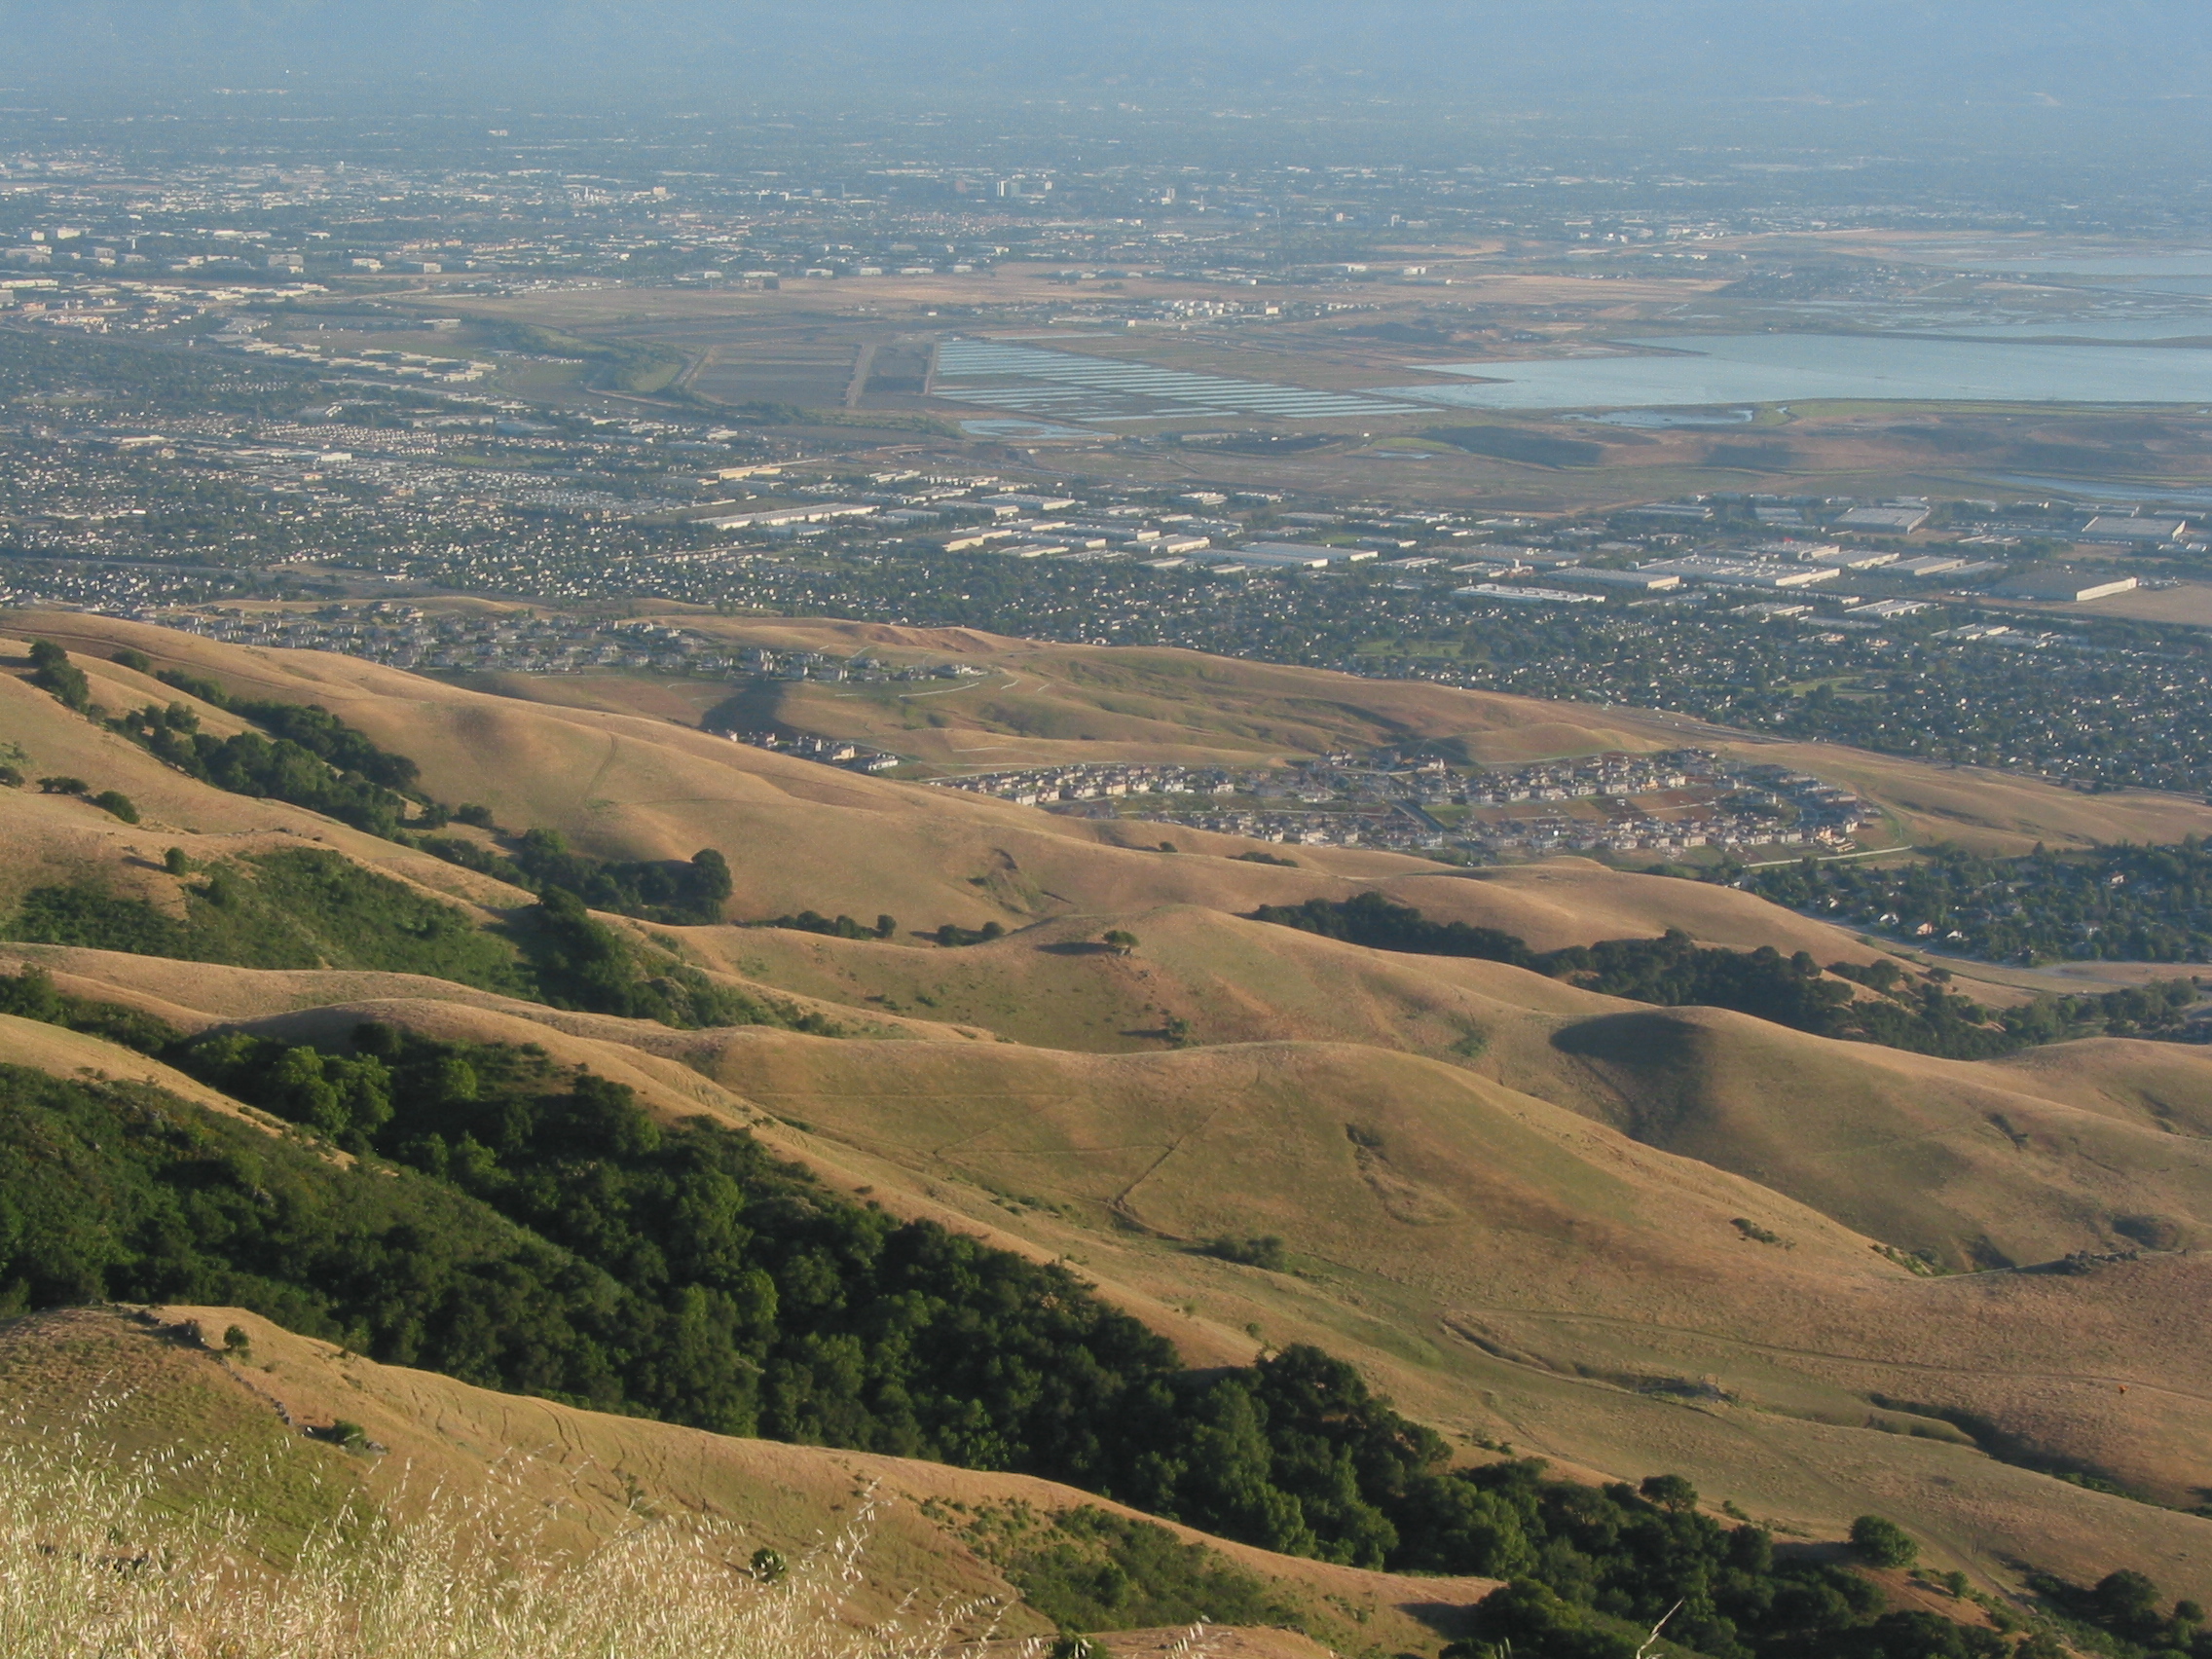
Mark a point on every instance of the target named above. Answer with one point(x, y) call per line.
point(2134, 64)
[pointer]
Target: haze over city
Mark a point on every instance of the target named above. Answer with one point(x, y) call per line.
point(960, 828)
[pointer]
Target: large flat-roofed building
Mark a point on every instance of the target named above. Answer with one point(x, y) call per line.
point(1826, 553)
point(1034, 503)
point(1498, 590)
point(2068, 587)
point(1639, 581)
point(1741, 572)
point(2123, 530)
point(770, 518)
point(1274, 551)
point(1884, 521)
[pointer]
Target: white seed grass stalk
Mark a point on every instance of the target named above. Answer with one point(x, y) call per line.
point(92, 1568)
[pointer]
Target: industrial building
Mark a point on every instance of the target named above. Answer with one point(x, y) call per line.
point(772, 518)
point(1640, 581)
point(2125, 531)
point(1283, 552)
point(1741, 572)
point(1896, 519)
point(2068, 587)
point(1494, 591)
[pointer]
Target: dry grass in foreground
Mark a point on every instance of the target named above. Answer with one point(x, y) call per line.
point(92, 1563)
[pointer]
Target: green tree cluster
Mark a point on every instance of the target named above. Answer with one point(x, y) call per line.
point(2124, 1614)
point(32, 995)
point(529, 1227)
point(2116, 902)
point(53, 671)
point(1594, 1570)
point(1882, 1542)
point(672, 892)
point(663, 890)
point(299, 907)
point(833, 927)
point(1263, 1250)
point(313, 758)
point(1674, 971)
point(1382, 924)
point(582, 963)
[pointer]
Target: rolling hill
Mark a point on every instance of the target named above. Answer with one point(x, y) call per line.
point(1817, 1276)
point(1041, 703)
point(1506, 1267)
point(1046, 703)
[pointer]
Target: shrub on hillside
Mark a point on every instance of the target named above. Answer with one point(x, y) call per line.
point(1264, 1251)
point(53, 671)
point(1882, 1543)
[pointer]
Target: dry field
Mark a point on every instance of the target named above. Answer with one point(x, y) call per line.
point(1506, 1267)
